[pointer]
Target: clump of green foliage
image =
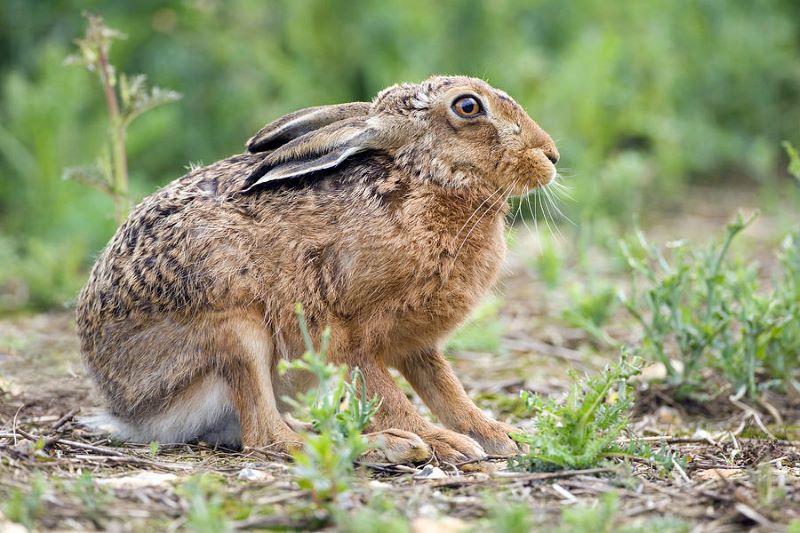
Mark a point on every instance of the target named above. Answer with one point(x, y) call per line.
point(592, 305)
point(204, 500)
point(380, 515)
point(581, 430)
point(707, 313)
point(794, 159)
point(604, 518)
point(93, 499)
point(513, 518)
point(25, 507)
point(548, 264)
point(339, 410)
point(126, 97)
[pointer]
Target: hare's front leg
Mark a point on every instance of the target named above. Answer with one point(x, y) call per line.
point(397, 413)
point(434, 380)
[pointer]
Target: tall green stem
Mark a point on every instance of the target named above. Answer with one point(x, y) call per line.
point(119, 185)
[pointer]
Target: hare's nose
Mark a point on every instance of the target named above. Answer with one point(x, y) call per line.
point(552, 155)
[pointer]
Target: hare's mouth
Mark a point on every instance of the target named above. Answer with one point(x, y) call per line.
point(540, 179)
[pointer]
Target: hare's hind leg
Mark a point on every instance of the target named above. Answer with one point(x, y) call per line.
point(245, 366)
point(208, 379)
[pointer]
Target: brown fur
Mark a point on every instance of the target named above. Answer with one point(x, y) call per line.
point(392, 247)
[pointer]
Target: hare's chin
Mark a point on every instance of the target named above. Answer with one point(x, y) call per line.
point(542, 180)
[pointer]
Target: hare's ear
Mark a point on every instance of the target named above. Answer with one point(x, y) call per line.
point(293, 125)
point(321, 149)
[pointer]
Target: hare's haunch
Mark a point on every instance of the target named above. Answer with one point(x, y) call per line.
point(383, 219)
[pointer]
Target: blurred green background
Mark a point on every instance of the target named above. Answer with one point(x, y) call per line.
point(644, 99)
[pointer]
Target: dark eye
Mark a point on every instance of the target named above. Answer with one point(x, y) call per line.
point(467, 107)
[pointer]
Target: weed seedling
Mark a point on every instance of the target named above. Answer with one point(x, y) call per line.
point(380, 515)
point(605, 515)
point(127, 97)
point(339, 410)
point(714, 316)
point(794, 159)
point(92, 499)
point(25, 507)
point(592, 307)
point(581, 430)
point(203, 494)
point(514, 518)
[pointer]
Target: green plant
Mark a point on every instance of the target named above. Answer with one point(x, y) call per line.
point(25, 507)
point(582, 429)
point(153, 448)
point(708, 313)
point(503, 405)
point(92, 499)
point(339, 410)
point(548, 263)
point(604, 517)
point(513, 518)
point(126, 99)
point(794, 159)
point(204, 502)
point(592, 306)
point(39, 274)
point(380, 515)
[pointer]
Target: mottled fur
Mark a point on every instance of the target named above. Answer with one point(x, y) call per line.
point(392, 247)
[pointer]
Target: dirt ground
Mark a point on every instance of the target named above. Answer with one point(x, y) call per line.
point(736, 478)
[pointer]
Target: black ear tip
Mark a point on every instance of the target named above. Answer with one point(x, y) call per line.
point(267, 144)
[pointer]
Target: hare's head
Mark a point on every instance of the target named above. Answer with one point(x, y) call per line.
point(454, 130)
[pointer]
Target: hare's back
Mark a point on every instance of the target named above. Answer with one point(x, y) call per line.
point(168, 256)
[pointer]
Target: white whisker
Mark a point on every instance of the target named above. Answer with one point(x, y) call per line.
point(476, 211)
point(502, 197)
point(553, 202)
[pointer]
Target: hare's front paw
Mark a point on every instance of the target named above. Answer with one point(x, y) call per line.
point(495, 438)
point(396, 446)
point(284, 442)
point(451, 447)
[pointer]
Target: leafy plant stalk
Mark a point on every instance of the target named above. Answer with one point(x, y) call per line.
point(704, 316)
point(126, 98)
point(339, 409)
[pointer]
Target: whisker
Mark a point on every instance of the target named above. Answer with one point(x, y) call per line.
point(550, 207)
point(514, 216)
point(524, 222)
point(554, 203)
point(535, 216)
point(537, 199)
point(476, 211)
point(502, 197)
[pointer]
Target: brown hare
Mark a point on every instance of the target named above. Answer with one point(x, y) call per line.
point(384, 219)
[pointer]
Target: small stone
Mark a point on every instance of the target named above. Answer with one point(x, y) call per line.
point(251, 474)
point(431, 472)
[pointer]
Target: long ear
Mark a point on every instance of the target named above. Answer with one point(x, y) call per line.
point(294, 125)
point(319, 150)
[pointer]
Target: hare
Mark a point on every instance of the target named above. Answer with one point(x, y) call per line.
point(384, 219)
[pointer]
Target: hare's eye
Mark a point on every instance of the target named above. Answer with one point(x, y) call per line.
point(467, 107)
